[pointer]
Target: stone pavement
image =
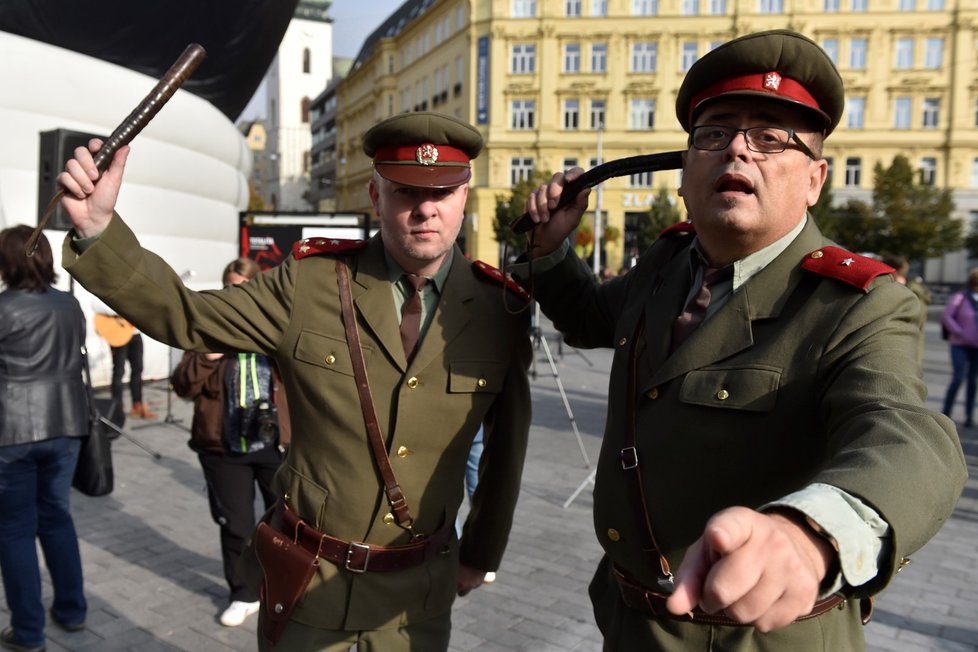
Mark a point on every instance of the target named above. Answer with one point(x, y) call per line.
point(154, 580)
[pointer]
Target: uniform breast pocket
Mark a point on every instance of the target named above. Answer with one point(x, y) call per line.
point(476, 377)
point(327, 352)
point(753, 388)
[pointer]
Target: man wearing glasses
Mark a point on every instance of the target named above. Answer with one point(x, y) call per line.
point(767, 439)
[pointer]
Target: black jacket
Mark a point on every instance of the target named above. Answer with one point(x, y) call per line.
point(42, 393)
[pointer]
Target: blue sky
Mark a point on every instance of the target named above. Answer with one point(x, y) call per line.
point(353, 20)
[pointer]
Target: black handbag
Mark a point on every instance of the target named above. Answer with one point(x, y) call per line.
point(94, 475)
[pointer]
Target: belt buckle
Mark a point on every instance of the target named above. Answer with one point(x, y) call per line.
point(349, 555)
point(629, 458)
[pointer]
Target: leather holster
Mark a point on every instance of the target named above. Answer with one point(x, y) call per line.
point(286, 569)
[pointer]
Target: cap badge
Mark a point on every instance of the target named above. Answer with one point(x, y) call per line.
point(427, 154)
point(772, 81)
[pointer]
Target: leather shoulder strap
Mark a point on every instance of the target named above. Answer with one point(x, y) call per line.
point(395, 497)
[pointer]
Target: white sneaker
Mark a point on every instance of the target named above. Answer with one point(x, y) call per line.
point(237, 611)
point(489, 578)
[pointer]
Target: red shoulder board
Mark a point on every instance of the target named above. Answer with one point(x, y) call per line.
point(679, 227)
point(507, 281)
point(835, 262)
point(313, 246)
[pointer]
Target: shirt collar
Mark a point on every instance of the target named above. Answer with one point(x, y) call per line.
point(745, 268)
point(395, 271)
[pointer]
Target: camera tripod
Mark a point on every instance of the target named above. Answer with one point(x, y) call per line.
point(540, 341)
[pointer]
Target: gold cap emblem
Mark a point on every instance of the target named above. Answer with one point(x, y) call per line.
point(427, 154)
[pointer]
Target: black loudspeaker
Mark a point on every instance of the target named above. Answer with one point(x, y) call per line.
point(57, 146)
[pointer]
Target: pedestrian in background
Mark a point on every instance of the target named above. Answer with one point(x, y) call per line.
point(960, 318)
point(240, 431)
point(767, 436)
point(901, 267)
point(44, 413)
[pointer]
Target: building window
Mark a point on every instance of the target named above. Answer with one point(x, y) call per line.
point(928, 171)
point(688, 55)
point(858, 6)
point(976, 113)
point(572, 114)
point(974, 173)
point(524, 8)
point(524, 58)
point(830, 170)
point(934, 53)
point(644, 57)
point(642, 114)
point(640, 180)
point(830, 6)
point(569, 164)
point(718, 7)
point(908, 5)
point(597, 114)
point(599, 7)
point(304, 110)
point(572, 8)
point(857, 54)
point(572, 58)
point(853, 172)
point(831, 47)
point(935, 5)
point(520, 169)
point(599, 57)
point(901, 112)
point(645, 7)
point(459, 18)
point(855, 112)
point(690, 8)
point(770, 6)
point(904, 54)
point(931, 113)
point(524, 114)
point(306, 61)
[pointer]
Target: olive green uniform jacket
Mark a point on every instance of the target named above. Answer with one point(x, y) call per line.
point(470, 368)
point(798, 378)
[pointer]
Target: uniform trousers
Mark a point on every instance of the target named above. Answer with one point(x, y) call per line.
point(35, 484)
point(132, 352)
point(431, 635)
point(231, 492)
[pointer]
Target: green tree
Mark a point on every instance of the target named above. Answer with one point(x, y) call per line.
point(662, 214)
point(907, 217)
point(510, 208)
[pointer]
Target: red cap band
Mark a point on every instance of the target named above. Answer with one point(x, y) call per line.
point(766, 82)
point(423, 154)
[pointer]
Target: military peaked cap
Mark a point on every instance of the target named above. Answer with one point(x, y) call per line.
point(424, 149)
point(777, 64)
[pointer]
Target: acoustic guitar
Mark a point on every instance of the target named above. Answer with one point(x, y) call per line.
point(114, 329)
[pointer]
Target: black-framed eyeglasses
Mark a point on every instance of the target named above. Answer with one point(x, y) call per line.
point(764, 140)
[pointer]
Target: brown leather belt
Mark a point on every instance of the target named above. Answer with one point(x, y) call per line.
point(358, 557)
point(653, 604)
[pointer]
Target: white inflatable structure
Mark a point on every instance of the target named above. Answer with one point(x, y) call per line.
point(186, 178)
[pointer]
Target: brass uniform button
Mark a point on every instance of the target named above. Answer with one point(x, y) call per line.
point(623, 341)
point(653, 393)
point(613, 534)
point(817, 254)
point(403, 451)
point(482, 382)
point(903, 564)
point(412, 382)
point(723, 395)
point(388, 518)
point(330, 359)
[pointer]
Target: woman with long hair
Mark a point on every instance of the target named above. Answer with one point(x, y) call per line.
point(43, 414)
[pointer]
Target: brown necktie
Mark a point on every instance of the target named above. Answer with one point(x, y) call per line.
point(695, 311)
point(411, 315)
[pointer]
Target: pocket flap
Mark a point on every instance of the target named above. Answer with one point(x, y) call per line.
point(473, 377)
point(326, 351)
point(738, 388)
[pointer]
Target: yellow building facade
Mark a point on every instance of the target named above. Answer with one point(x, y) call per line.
point(554, 83)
